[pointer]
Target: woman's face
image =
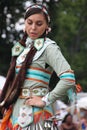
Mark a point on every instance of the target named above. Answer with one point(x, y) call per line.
point(69, 119)
point(35, 25)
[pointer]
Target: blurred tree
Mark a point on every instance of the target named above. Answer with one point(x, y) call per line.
point(9, 14)
point(71, 30)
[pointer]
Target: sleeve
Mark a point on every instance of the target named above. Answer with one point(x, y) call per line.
point(56, 60)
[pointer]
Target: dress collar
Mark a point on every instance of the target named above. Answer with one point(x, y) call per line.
point(28, 42)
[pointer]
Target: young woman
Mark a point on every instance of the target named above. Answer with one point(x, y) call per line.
point(67, 123)
point(27, 101)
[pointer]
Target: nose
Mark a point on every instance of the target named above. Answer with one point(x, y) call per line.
point(33, 26)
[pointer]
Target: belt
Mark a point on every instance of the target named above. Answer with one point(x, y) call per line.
point(28, 92)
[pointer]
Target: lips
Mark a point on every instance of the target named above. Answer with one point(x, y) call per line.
point(33, 34)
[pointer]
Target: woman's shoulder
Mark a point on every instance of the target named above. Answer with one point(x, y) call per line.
point(62, 126)
point(48, 40)
point(51, 44)
point(75, 126)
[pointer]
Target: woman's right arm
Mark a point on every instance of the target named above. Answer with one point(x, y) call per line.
point(61, 127)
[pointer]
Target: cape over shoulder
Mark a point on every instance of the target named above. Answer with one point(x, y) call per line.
point(17, 49)
point(21, 57)
point(46, 43)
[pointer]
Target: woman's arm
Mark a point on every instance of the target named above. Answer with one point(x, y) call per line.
point(63, 70)
point(61, 127)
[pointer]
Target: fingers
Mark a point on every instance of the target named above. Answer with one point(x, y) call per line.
point(28, 101)
point(34, 101)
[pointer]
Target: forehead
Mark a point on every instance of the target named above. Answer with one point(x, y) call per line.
point(37, 17)
point(69, 116)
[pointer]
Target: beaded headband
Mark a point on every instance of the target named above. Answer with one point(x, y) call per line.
point(43, 8)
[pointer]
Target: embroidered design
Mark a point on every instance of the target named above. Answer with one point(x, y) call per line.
point(38, 43)
point(43, 8)
point(25, 92)
point(22, 56)
point(25, 116)
point(17, 49)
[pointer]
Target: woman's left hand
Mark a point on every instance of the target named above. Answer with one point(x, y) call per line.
point(35, 101)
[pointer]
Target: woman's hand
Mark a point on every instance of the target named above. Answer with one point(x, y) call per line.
point(35, 101)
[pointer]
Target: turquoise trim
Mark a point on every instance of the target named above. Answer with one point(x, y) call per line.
point(48, 108)
point(37, 77)
point(71, 94)
point(67, 76)
point(14, 120)
point(37, 74)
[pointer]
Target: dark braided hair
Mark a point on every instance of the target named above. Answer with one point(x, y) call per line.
point(14, 82)
point(65, 118)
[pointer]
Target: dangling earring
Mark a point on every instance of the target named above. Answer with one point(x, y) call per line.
point(48, 30)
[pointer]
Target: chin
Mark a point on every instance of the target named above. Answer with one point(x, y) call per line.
point(33, 38)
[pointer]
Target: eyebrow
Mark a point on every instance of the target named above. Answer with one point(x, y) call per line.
point(36, 21)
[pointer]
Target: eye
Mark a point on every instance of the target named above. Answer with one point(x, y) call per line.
point(39, 23)
point(29, 22)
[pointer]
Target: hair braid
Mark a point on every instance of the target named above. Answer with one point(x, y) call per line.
point(11, 78)
point(19, 79)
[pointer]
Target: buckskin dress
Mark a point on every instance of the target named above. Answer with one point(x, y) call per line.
point(37, 83)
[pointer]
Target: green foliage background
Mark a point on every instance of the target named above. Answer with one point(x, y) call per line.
point(69, 30)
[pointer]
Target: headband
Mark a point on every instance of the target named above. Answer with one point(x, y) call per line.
point(43, 8)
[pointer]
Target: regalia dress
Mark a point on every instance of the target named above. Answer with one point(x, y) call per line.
point(37, 79)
